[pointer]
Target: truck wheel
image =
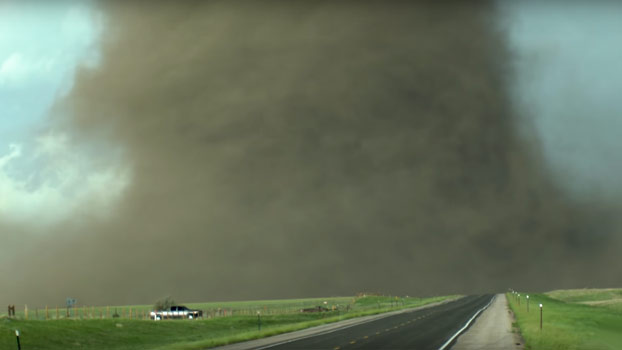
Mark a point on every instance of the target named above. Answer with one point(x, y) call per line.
point(189, 317)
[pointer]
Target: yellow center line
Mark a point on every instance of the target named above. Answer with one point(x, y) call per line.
point(365, 337)
point(336, 348)
point(377, 333)
point(353, 342)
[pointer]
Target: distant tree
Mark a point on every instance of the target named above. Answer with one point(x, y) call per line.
point(164, 304)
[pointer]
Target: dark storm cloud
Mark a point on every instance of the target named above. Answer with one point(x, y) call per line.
point(312, 148)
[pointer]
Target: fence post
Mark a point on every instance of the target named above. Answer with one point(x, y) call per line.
point(47, 315)
point(26, 311)
point(57, 316)
point(130, 313)
point(107, 311)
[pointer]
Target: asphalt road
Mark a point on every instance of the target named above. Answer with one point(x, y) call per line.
point(419, 329)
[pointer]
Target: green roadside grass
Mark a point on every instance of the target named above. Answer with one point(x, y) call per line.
point(119, 333)
point(566, 326)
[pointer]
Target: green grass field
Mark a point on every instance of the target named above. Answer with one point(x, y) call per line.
point(277, 316)
point(607, 298)
point(568, 323)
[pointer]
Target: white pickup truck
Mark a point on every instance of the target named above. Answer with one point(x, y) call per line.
point(175, 312)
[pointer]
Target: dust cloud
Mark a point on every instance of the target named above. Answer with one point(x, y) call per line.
point(291, 149)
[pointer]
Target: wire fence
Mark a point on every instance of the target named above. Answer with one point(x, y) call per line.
point(328, 306)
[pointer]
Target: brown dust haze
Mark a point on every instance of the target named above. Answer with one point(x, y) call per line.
point(292, 149)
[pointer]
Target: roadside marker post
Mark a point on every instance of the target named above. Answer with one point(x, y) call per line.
point(518, 299)
point(19, 346)
point(540, 316)
point(528, 303)
point(258, 321)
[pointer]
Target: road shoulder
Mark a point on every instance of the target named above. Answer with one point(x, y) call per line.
point(491, 330)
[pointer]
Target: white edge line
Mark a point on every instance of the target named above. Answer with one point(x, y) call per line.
point(466, 325)
point(388, 314)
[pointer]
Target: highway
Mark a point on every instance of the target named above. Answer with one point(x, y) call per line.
point(420, 329)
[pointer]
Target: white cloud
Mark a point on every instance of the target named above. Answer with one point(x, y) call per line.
point(18, 69)
point(15, 152)
point(52, 144)
point(12, 68)
point(55, 182)
point(11, 64)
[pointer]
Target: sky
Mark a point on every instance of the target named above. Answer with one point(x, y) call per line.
point(41, 174)
point(255, 137)
point(40, 47)
point(568, 77)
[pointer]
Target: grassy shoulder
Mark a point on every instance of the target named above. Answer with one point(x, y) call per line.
point(128, 334)
point(565, 326)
